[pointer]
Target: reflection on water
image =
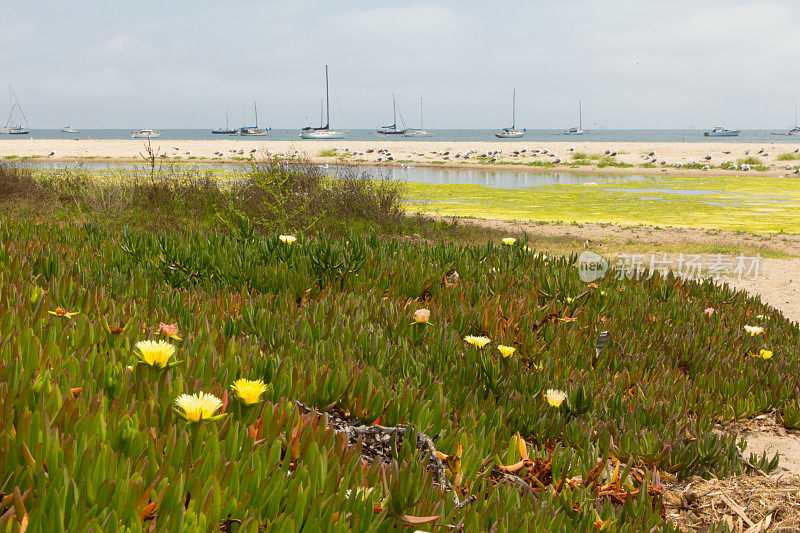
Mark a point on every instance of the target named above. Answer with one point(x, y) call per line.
point(503, 179)
point(499, 178)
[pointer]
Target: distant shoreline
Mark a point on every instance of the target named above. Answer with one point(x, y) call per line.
point(630, 158)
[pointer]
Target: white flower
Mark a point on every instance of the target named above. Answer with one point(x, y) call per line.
point(754, 330)
point(555, 397)
point(480, 342)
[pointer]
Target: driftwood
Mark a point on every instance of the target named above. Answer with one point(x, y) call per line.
point(375, 443)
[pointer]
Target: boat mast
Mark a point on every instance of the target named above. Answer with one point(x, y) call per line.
point(421, 123)
point(327, 101)
point(226, 119)
point(580, 116)
point(12, 96)
point(10, 107)
point(255, 111)
point(514, 110)
point(394, 112)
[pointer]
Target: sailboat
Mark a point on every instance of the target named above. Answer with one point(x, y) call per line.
point(253, 130)
point(227, 129)
point(323, 132)
point(512, 132)
point(421, 132)
point(579, 129)
point(795, 130)
point(68, 128)
point(392, 130)
point(15, 117)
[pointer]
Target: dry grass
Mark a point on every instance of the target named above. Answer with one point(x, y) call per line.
point(743, 503)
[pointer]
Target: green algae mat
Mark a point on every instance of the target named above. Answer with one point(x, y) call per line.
point(748, 203)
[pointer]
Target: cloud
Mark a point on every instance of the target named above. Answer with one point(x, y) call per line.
point(632, 63)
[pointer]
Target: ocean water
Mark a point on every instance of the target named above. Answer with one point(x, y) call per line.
point(603, 135)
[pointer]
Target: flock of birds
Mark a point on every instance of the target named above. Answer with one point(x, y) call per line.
point(385, 155)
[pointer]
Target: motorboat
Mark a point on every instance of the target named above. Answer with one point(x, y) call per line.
point(719, 131)
point(145, 134)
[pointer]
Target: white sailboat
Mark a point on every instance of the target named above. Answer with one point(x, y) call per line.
point(254, 130)
point(512, 132)
point(579, 129)
point(421, 132)
point(392, 130)
point(15, 117)
point(323, 132)
point(68, 128)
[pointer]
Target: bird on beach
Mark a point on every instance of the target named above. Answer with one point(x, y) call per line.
point(708, 157)
point(651, 154)
point(727, 152)
point(51, 154)
point(796, 150)
point(760, 151)
point(747, 152)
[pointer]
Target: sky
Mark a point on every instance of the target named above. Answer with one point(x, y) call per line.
point(177, 64)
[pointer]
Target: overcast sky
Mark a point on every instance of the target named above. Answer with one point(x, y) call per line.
point(179, 64)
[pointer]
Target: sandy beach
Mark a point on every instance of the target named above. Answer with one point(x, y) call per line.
point(645, 157)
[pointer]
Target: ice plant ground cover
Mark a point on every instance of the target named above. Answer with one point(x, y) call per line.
point(91, 440)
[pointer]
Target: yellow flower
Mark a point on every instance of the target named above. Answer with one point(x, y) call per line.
point(569, 300)
point(287, 239)
point(765, 354)
point(61, 312)
point(249, 391)
point(509, 241)
point(197, 407)
point(480, 342)
point(555, 397)
point(754, 330)
point(507, 351)
point(155, 353)
point(421, 316)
